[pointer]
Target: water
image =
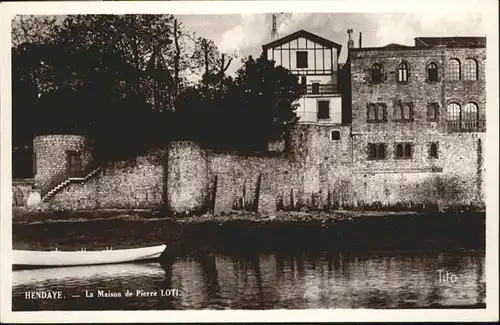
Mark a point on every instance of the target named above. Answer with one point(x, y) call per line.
point(390, 261)
point(322, 279)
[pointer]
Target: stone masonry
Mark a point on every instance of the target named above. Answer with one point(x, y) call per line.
point(327, 166)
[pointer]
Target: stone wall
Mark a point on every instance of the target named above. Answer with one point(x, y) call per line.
point(322, 171)
point(247, 182)
point(21, 189)
point(50, 155)
point(187, 177)
point(139, 184)
point(324, 163)
point(77, 196)
point(127, 185)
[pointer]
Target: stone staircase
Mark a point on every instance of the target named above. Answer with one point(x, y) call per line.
point(54, 190)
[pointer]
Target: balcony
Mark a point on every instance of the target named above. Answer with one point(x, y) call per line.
point(313, 117)
point(318, 89)
point(466, 126)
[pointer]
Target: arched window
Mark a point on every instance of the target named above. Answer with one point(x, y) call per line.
point(376, 73)
point(432, 72)
point(398, 112)
point(453, 111)
point(407, 112)
point(403, 72)
point(470, 112)
point(381, 113)
point(453, 71)
point(371, 113)
point(470, 69)
point(433, 150)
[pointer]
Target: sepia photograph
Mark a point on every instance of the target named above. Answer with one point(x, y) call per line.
point(285, 158)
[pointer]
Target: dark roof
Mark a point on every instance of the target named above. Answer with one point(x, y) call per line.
point(384, 48)
point(423, 43)
point(396, 46)
point(307, 35)
point(450, 41)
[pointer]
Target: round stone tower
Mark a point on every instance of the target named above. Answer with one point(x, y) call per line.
point(55, 153)
point(187, 177)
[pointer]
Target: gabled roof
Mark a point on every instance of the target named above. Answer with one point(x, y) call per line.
point(450, 41)
point(303, 33)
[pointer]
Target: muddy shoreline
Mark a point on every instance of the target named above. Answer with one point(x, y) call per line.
point(21, 215)
point(240, 232)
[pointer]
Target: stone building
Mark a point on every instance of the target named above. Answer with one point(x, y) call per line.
point(418, 110)
point(404, 126)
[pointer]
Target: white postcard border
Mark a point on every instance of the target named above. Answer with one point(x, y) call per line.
point(488, 8)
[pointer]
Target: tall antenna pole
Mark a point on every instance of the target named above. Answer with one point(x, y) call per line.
point(350, 42)
point(274, 31)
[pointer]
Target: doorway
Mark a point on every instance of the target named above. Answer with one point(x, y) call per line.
point(74, 162)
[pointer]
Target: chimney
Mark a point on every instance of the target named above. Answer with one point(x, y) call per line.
point(360, 40)
point(274, 31)
point(350, 43)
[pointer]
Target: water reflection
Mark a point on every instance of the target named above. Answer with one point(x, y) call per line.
point(263, 281)
point(85, 273)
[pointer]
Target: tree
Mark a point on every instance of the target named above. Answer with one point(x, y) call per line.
point(121, 80)
point(28, 36)
point(137, 39)
point(32, 29)
point(98, 73)
point(244, 113)
point(208, 57)
point(267, 95)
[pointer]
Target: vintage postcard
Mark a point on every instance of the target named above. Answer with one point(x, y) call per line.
point(237, 160)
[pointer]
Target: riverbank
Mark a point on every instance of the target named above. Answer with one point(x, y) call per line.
point(22, 215)
point(239, 232)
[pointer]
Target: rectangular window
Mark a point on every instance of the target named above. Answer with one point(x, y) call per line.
point(432, 111)
point(403, 151)
point(301, 59)
point(315, 88)
point(303, 83)
point(323, 109)
point(376, 113)
point(34, 164)
point(335, 135)
point(376, 151)
point(376, 73)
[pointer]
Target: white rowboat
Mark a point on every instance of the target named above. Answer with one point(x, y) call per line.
point(76, 258)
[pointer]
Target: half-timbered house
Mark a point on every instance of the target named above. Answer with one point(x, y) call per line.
point(315, 60)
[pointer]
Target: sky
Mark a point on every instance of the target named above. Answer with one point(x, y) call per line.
point(245, 34)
